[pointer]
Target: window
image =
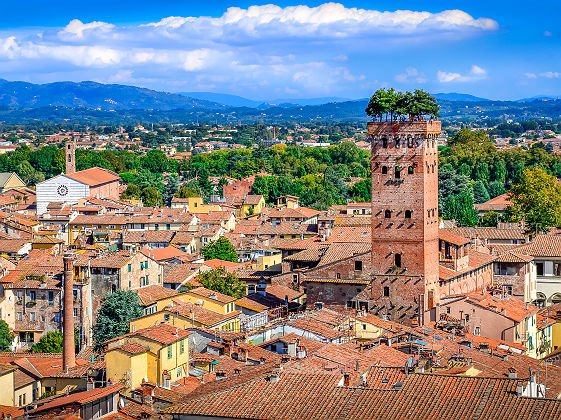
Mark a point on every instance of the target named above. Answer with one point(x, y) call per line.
point(166, 317)
point(384, 170)
point(32, 316)
point(388, 214)
point(51, 298)
point(477, 331)
point(75, 312)
point(411, 170)
point(358, 265)
point(363, 326)
point(408, 214)
point(385, 143)
point(57, 316)
point(467, 317)
point(182, 347)
point(32, 295)
point(130, 268)
point(156, 227)
point(179, 372)
point(539, 268)
point(159, 278)
point(170, 351)
point(18, 316)
point(448, 310)
point(397, 260)
point(168, 226)
point(338, 275)
point(386, 291)
point(397, 172)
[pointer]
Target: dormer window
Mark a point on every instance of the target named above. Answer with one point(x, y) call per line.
point(388, 214)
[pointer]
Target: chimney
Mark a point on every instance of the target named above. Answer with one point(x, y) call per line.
point(346, 379)
point(68, 350)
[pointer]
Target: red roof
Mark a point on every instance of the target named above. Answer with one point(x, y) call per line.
point(80, 398)
point(95, 176)
point(161, 254)
point(161, 333)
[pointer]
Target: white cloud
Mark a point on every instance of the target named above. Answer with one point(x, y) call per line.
point(76, 29)
point(547, 33)
point(303, 47)
point(475, 73)
point(411, 75)
point(531, 75)
point(551, 74)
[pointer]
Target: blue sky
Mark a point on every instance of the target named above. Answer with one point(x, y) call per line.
point(264, 50)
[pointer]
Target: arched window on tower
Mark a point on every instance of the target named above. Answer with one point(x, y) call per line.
point(384, 170)
point(408, 214)
point(411, 170)
point(388, 214)
point(397, 260)
point(397, 142)
point(397, 172)
point(385, 143)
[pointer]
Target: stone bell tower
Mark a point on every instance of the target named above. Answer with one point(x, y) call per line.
point(70, 157)
point(404, 218)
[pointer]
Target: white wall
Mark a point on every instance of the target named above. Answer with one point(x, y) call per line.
point(48, 192)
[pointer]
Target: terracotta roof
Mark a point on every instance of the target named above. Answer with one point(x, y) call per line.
point(81, 371)
point(162, 254)
point(202, 315)
point(252, 200)
point(161, 333)
point(148, 236)
point(12, 245)
point(152, 293)
point(7, 411)
point(317, 395)
point(94, 176)
point(492, 233)
point(542, 246)
point(282, 291)
point(475, 260)
point(316, 327)
point(513, 257)
point(80, 398)
point(211, 294)
point(228, 265)
point(511, 307)
point(131, 348)
point(452, 238)
point(178, 273)
point(499, 203)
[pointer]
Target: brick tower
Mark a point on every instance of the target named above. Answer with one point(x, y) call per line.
point(70, 157)
point(404, 218)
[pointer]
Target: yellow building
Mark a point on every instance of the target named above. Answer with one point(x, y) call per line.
point(252, 204)
point(187, 315)
point(288, 201)
point(7, 384)
point(270, 258)
point(209, 299)
point(368, 326)
point(158, 354)
point(10, 180)
point(193, 205)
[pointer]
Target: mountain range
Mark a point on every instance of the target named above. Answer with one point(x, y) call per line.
point(101, 103)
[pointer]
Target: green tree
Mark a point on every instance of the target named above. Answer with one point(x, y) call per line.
point(496, 188)
point(480, 193)
point(460, 208)
point(113, 318)
point(49, 343)
point(186, 192)
point(222, 282)
point(151, 197)
point(538, 198)
point(172, 186)
point(221, 249)
point(361, 191)
point(132, 191)
point(155, 161)
point(489, 219)
point(6, 337)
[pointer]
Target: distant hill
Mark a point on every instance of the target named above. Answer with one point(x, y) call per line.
point(223, 98)
point(287, 102)
point(94, 95)
point(537, 98)
point(458, 97)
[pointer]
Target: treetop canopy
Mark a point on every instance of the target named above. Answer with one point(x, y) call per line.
point(399, 106)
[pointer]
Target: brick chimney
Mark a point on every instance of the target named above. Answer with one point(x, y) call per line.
point(68, 350)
